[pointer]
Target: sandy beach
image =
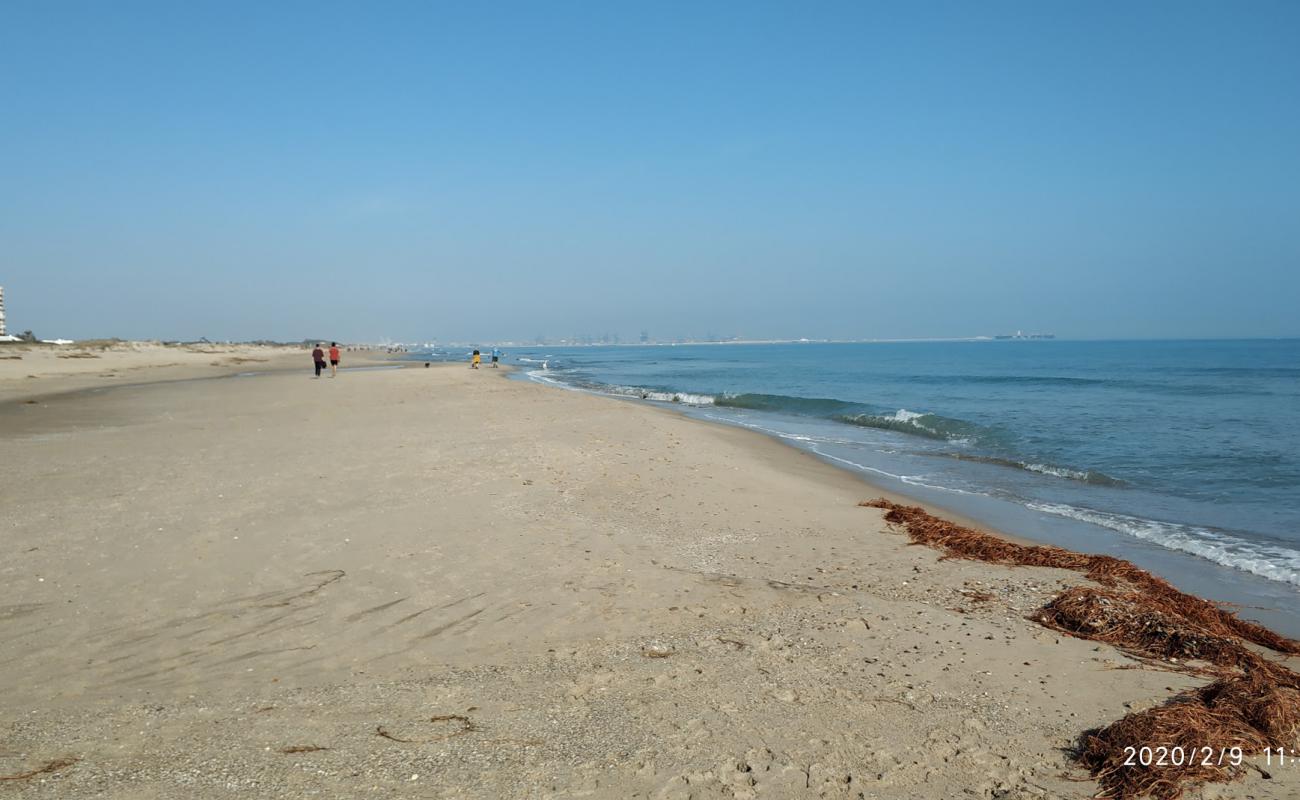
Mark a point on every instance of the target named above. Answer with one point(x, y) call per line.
point(28, 370)
point(439, 582)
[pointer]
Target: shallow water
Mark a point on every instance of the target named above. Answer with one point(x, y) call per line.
point(1183, 456)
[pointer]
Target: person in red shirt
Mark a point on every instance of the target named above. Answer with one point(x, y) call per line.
point(318, 356)
point(334, 359)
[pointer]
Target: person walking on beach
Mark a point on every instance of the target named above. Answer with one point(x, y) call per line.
point(474, 360)
point(318, 356)
point(496, 358)
point(334, 359)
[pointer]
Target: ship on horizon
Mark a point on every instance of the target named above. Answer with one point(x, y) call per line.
point(1023, 335)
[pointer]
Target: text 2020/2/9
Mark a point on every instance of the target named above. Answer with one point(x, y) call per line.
point(1178, 756)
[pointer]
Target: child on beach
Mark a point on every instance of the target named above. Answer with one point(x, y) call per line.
point(318, 356)
point(334, 359)
point(474, 360)
point(496, 358)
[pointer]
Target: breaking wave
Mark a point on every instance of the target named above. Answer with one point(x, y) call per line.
point(1081, 475)
point(1263, 558)
point(923, 424)
point(931, 426)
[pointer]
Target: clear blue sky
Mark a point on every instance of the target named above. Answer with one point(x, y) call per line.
point(492, 171)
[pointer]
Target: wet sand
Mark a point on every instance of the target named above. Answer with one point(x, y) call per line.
point(441, 583)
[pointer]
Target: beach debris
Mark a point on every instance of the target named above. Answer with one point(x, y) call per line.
point(896, 700)
point(1141, 624)
point(49, 766)
point(302, 748)
point(957, 541)
point(658, 651)
point(1204, 735)
point(321, 579)
point(464, 725)
point(1199, 736)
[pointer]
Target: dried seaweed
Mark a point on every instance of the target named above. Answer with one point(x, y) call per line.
point(1253, 704)
point(957, 541)
point(1134, 622)
point(50, 766)
point(1248, 712)
point(302, 748)
point(466, 725)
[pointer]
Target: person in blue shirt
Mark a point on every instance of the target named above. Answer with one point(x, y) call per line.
point(496, 358)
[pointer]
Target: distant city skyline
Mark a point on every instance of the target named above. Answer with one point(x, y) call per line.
point(416, 171)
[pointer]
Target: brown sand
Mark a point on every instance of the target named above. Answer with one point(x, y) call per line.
point(440, 583)
point(28, 370)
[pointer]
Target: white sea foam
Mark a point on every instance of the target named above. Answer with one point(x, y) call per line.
point(912, 480)
point(794, 437)
point(914, 420)
point(856, 465)
point(1057, 472)
point(539, 376)
point(685, 398)
point(1273, 561)
point(681, 398)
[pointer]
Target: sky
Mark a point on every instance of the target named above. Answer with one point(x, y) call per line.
point(495, 171)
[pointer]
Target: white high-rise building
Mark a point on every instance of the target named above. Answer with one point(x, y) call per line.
point(4, 337)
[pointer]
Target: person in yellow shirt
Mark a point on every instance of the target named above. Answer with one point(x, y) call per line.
point(474, 360)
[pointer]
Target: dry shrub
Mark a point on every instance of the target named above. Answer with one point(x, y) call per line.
point(1254, 703)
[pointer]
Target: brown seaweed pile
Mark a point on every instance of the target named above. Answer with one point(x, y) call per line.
point(957, 541)
point(1199, 736)
point(1141, 625)
point(1202, 735)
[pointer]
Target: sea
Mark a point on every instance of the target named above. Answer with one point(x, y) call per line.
point(1181, 456)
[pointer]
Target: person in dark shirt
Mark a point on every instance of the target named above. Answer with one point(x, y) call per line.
point(318, 355)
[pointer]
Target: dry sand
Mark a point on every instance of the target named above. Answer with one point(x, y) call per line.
point(456, 585)
point(27, 370)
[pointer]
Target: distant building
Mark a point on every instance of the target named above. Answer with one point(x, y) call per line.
point(4, 334)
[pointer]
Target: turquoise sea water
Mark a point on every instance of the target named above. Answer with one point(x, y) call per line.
point(1183, 456)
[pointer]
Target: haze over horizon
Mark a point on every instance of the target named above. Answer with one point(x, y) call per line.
point(416, 171)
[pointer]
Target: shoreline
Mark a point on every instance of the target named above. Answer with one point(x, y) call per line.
point(287, 585)
point(1255, 597)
